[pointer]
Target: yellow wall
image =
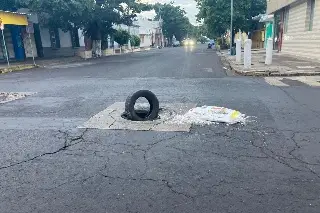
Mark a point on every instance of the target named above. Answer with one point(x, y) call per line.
point(13, 18)
point(298, 40)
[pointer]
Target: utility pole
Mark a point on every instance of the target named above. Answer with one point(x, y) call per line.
point(4, 41)
point(231, 27)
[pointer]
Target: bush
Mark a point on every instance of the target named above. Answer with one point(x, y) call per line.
point(222, 44)
point(135, 41)
point(219, 41)
point(121, 37)
point(132, 41)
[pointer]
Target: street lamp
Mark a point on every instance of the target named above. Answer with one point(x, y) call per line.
point(231, 39)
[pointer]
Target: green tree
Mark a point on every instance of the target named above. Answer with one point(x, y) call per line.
point(96, 18)
point(215, 15)
point(8, 5)
point(135, 41)
point(175, 23)
point(121, 37)
point(202, 39)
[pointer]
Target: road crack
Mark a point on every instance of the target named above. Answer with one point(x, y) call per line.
point(67, 143)
point(161, 181)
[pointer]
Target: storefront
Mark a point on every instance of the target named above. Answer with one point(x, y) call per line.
point(12, 45)
point(266, 32)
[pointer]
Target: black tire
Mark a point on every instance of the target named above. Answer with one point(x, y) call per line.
point(153, 102)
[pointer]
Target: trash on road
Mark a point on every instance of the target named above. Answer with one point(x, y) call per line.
point(11, 96)
point(207, 115)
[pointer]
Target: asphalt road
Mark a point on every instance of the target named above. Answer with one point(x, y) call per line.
point(47, 164)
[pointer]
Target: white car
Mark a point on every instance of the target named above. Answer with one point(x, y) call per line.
point(176, 44)
point(189, 42)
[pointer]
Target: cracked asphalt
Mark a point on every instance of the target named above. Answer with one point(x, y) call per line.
point(47, 164)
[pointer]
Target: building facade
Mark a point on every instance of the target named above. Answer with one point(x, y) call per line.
point(14, 44)
point(24, 37)
point(56, 42)
point(29, 38)
point(150, 32)
point(296, 26)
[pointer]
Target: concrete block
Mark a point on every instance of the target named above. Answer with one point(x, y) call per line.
point(85, 54)
point(107, 52)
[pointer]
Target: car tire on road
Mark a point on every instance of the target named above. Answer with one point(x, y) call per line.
point(153, 102)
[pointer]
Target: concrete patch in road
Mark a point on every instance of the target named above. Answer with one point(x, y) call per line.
point(208, 69)
point(293, 81)
point(309, 80)
point(275, 81)
point(110, 119)
point(6, 97)
point(65, 66)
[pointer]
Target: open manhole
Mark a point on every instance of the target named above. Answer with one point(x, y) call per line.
point(141, 106)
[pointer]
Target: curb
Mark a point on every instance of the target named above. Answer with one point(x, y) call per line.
point(17, 68)
point(31, 66)
point(265, 73)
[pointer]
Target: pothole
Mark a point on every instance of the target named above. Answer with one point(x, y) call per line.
point(112, 118)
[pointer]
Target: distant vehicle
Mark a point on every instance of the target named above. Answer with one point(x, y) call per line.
point(189, 42)
point(211, 44)
point(176, 44)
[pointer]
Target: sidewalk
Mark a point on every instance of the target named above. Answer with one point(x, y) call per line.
point(282, 65)
point(45, 62)
point(40, 62)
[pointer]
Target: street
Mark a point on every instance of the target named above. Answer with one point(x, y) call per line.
point(270, 164)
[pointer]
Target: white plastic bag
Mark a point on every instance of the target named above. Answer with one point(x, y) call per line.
point(211, 114)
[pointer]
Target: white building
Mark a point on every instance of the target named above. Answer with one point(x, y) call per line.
point(297, 26)
point(55, 42)
point(150, 32)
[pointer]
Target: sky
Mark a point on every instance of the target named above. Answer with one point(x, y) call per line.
point(188, 5)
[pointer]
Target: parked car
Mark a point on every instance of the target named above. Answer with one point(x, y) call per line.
point(176, 44)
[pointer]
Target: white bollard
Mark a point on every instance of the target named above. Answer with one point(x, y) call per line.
point(238, 51)
point(269, 51)
point(247, 53)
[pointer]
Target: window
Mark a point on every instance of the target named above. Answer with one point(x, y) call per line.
point(310, 15)
point(54, 38)
point(286, 19)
